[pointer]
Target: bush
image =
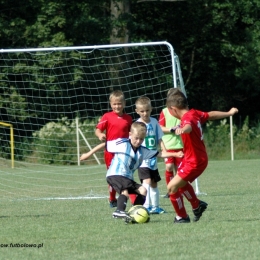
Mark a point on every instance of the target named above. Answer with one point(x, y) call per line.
point(56, 142)
point(246, 141)
point(217, 139)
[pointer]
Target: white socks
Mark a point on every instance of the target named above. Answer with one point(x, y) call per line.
point(148, 199)
point(152, 197)
point(154, 194)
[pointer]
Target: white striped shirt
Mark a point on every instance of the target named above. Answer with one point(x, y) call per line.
point(126, 160)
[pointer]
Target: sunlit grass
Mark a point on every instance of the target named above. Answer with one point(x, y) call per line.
point(85, 229)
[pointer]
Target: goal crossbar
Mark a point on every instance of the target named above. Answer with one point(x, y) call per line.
point(94, 47)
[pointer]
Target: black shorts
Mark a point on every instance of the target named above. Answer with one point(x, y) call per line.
point(120, 183)
point(147, 173)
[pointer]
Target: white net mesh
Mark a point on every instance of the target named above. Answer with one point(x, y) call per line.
point(43, 91)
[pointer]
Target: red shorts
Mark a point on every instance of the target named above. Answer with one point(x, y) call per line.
point(189, 173)
point(173, 160)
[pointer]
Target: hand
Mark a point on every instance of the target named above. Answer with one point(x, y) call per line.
point(185, 130)
point(102, 137)
point(178, 131)
point(85, 156)
point(179, 154)
point(233, 111)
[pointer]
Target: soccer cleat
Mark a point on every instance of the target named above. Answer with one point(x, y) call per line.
point(113, 203)
point(119, 214)
point(182, 220)
point(129, 220)
point(198, 212)
point(149, 208)
point(156, 210)
point(166, 196)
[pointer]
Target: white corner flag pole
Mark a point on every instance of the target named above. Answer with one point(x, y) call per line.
point(197, 191)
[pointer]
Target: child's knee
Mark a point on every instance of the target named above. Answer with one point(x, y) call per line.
point(142, 190)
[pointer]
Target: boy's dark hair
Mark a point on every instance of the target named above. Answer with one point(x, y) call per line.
point(176, 98)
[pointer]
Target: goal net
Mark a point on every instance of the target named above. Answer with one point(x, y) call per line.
point(53, 98)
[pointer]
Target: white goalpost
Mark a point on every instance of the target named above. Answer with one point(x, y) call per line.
point(53, 98)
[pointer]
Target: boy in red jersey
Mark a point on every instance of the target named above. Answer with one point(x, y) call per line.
point(195, 158)
point(113, 125)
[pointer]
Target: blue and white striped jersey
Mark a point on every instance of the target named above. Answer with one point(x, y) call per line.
point(153, 135)
point(126, 160)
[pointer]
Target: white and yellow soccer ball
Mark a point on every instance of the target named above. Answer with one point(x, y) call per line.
point(139, 214)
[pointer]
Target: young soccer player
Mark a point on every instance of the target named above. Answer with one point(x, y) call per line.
point(148, 171)
point(129, 155)
point(195, 158)
point(172, 142)
point(112, 125)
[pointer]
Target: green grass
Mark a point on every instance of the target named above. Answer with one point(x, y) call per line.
point(85, 229)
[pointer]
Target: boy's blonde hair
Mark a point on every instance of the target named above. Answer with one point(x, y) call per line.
point(143, 101)
point(117, 94)
point(138, 127)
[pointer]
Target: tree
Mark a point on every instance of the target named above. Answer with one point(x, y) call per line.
point(217, 43)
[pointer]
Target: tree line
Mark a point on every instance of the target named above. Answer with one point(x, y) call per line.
point(217, 41)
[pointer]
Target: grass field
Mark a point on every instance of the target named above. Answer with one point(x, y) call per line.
point(44, 217)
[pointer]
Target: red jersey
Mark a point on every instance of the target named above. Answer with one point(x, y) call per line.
point(195, 156)
point(115, 127)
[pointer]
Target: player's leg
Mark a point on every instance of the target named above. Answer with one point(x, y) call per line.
point(147, 184)
point(176, 199)
point(132, 198)
point(145, 179)
point(154, 193)
point(112, 197)
point(120, 184)
point(190, 195)
point(141, 194)
point(198, 206)
point(169, 171)
point(171, 166)
point(112, 193)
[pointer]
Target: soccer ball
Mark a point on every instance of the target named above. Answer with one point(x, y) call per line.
point(139, 214)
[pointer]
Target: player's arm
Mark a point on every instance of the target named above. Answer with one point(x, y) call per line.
point(166, 130)
point(162, 123)
point(100, 135)
point(164, 154)
point(162, 145)
point(183, 130)
point(85, 156)
point(214, 115)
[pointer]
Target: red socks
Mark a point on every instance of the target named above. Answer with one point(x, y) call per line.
point(168, 176)
point(112, 193)
point(190, 195)
point(132, 198)
point(177, 202)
